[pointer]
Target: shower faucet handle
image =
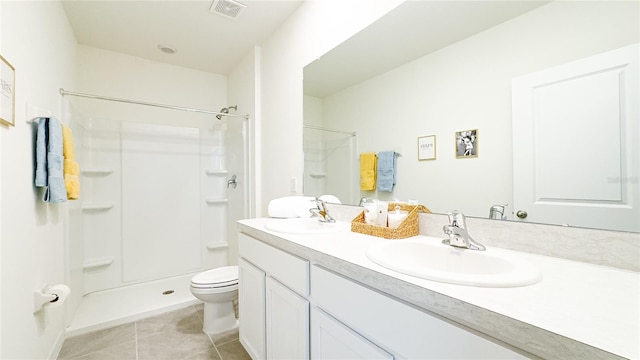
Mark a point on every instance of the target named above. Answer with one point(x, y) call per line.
point(233, 182)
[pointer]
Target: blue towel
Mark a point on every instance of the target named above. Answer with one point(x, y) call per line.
point(50, 160)
point(386, 170)
point(41, 153)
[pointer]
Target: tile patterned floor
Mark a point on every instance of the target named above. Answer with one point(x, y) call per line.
point(171, 336)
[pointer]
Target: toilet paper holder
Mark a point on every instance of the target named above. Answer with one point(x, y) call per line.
point(49, 295)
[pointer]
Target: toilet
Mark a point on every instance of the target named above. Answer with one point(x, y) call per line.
point(217, 288)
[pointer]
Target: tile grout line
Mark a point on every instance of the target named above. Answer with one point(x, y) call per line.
point(227, 342)
point(215, 347)
point(201, 317)
point(135, 327)
point(209, 336)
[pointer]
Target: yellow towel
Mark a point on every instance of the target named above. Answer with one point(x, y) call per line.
point(71, 167)
point(368, 171)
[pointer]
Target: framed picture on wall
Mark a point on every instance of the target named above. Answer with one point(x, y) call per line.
point(427, 147)
point(467, 143)
point(7, 92)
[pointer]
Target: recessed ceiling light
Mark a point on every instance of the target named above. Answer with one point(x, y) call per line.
point(167, 49)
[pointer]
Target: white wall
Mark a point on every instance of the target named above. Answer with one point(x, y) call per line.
point(316, 27)
point(39, 43)
point(113, 74)
point(468, 86)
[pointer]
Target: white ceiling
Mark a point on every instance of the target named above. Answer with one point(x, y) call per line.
point(203, 39)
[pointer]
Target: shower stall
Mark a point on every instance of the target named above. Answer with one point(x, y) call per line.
point(161, 187)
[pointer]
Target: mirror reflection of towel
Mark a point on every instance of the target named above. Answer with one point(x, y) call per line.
point(386, 170)
point(368, 171)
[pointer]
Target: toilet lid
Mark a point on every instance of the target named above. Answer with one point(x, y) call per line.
point(222, 276)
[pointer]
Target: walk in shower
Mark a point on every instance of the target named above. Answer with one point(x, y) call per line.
point(161, 189)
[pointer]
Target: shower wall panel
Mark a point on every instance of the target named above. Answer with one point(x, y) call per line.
point(160, 201)
point(101, 203)
point(214, 204)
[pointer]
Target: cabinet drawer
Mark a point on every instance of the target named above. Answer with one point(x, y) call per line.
point(397, 327)
point(330, 339)
point(290, 270)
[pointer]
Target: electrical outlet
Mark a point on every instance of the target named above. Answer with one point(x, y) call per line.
point(293, 184)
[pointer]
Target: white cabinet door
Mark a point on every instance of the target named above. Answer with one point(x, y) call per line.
point(576, 153)
point(287, 316)
point(251, 305)
point(331, 339)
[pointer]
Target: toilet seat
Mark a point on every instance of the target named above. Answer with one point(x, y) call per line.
point(226, 276)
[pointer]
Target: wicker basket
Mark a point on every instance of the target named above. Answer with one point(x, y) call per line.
point(408, 227)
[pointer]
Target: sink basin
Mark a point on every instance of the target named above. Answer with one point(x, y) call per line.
point(305, 226)
point(432, 260)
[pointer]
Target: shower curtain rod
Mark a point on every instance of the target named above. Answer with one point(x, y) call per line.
point(329, 130)
point(65, 92)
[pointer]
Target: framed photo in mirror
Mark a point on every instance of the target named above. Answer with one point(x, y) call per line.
point(427, 147)
point(467, 143)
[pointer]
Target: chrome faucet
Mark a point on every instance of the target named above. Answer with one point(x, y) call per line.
point(321, 212)
point(458, 235)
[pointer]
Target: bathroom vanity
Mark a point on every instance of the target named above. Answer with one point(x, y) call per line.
point(319, 296)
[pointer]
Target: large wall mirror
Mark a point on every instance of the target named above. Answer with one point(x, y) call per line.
point(443, 68)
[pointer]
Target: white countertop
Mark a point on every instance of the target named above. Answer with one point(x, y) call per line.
point(592, 306)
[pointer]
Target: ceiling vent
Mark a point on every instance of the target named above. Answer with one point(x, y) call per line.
point(228, 8)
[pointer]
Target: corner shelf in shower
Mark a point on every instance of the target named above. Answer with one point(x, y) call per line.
point(216, 172)
point(216, 201)
point(96, 172)
point(97, 207)
point(93, 264)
